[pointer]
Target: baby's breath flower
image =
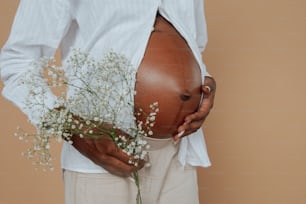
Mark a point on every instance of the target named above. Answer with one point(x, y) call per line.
point(100, 92)
point(47, 146)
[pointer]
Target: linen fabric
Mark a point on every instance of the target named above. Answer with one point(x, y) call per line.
point(166, 181)
point(98, 26)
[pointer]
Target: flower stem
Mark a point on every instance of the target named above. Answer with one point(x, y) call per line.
point(136, 178)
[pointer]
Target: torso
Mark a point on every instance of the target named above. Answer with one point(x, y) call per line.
point(170, 75)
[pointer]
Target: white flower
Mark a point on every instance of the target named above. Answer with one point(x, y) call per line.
point(47, 146)
point(152, 118)
point(100, 92)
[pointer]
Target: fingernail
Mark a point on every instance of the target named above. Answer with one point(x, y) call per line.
point(181, 134)
point(186, 122)
point(175, 142)
point(208, 88)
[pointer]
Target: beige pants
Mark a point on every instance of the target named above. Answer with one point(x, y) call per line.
point(165, 182)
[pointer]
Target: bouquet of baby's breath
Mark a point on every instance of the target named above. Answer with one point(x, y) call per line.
point(96, 94)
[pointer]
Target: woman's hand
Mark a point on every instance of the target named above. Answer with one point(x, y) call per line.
point(103, 152)
point(195, 121)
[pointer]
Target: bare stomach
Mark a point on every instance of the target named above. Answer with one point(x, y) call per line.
point(170, 75)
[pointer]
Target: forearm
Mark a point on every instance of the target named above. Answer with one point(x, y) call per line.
point(15, 73)
point(38, 28)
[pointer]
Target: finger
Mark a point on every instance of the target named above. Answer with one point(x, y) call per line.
point(188, 129)
point(193, 127)
point(112, 150)
point(188, 132)
point(106, 144)
point(130, 164)
point(206, 89)
point(194, 121)
point(204, 109)
point(197, 116)
point(178, 136)
point(117, 167)
point(129, 160)
point(211, 83)
point(103, 153)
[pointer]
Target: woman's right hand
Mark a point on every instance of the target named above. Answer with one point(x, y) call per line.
point(104, 153)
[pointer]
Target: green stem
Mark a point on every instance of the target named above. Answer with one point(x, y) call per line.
point(136, 178)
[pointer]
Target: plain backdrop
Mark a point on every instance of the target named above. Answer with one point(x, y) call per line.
point(256, 131)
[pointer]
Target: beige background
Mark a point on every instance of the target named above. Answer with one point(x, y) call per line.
point(256, 132)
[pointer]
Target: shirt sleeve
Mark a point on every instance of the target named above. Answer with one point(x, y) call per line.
point(201, 27)
point(38, 28)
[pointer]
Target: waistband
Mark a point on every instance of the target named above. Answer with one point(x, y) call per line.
point(156, 143)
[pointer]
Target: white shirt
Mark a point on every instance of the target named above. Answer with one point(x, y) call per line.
point(97, 26)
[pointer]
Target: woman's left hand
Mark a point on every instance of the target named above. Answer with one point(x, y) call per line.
point(195, 121)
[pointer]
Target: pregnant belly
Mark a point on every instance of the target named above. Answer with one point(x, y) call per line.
point(170, 75)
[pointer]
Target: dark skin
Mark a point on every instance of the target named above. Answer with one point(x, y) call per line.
point(195, 121)
point(104, 153)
